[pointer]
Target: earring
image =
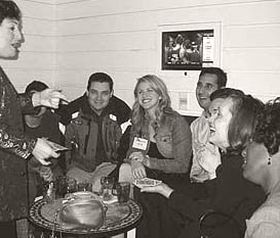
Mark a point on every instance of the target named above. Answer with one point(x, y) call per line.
point(269, 160)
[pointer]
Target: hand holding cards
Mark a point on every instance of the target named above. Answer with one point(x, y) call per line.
point(146, 182)
point(153, 186)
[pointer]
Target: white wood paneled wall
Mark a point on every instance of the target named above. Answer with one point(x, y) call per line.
point(67, 40)
point(120, 37)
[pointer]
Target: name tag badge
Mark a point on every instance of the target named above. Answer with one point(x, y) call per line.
point(140, 143)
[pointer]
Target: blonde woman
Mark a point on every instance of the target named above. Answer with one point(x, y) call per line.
point(160, 148)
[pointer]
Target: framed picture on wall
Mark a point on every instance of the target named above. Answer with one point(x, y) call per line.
point(187, 49)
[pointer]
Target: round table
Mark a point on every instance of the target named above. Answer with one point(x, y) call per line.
point(120, 218)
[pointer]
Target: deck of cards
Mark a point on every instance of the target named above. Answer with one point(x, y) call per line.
point(56, 147)
point(146, 182)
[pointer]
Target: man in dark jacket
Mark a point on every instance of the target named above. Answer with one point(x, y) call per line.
point(94, 133)
point(116, 106)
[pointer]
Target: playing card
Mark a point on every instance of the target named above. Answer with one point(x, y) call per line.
point(146, 182)
point(57, 147)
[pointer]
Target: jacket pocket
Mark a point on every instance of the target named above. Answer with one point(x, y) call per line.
point(164, 144)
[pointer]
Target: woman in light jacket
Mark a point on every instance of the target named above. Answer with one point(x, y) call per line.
point(160, 148)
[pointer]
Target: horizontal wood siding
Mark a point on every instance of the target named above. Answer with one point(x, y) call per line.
point(67, 40)
point(121, 37)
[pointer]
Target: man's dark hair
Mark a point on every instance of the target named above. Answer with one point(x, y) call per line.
point(221, 75)
point(9, 9)
point(102, 78)
point(37, 86)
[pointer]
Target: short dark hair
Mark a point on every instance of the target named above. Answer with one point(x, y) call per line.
point(102, 78)
point(221, 75)
point(36, 86)
point(244, 112)
point(9, 9)
point(268, 126)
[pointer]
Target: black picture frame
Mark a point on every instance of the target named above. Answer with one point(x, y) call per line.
point(186, 50)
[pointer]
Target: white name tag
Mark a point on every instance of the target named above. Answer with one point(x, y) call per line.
point(140, 143)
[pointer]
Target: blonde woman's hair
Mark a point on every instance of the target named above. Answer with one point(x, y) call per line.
point(138, 113)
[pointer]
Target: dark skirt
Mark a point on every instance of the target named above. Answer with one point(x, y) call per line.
point(159, 221)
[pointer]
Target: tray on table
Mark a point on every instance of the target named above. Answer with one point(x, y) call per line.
point(119, 217)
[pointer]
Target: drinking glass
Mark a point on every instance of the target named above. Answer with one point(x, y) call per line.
point(123, 190)
point(61, 186)
point(85, 186)
point(49, 191)
point(71, 185)
point(107, 184)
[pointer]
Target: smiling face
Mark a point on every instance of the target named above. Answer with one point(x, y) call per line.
point(147, 97)
point(99, 95)
point(255, 165)
point(220, 117)
point(207, 84)
point(10, 38)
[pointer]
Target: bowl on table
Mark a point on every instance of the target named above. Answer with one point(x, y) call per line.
point(83, 210)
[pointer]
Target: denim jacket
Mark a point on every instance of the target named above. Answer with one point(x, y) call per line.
point(173, 140)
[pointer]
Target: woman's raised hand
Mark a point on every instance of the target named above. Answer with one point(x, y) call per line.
point(49, 98)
